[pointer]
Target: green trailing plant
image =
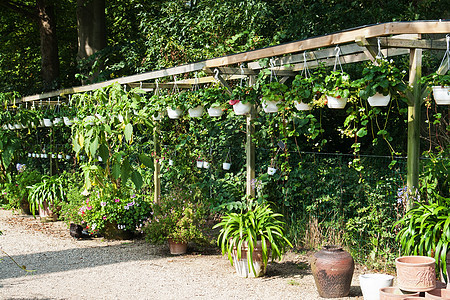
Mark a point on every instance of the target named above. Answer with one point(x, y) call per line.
point(258, 223)
point(425, 230)
point(216, 96)
point(435, 79)
point(273, 91)
point(301, 90)
point(337, 84)
point(49, 192)
point(244, 94)
point(192, 99)
point(383, 78)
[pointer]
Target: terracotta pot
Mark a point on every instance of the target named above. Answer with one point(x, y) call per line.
point(241, 265)
point(416, 273)
point(46, 214)
point(438, 294)
point(332, 268)
point(177, 248)
point(393, 293)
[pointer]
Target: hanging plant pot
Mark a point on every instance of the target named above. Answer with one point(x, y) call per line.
point(174, 113)
point(270, 106)
point(44, 155)
point(67, 121)
point(196, 112)
point(5, 127)
point(215, 111)
point(48, 123)
point(372, 283)
point(241, 109)
point(158, 117)
point(53, 155)
point(379, 100)
point(29, 154)
point(416, 273)
point(302, 106)
point(336, 103)
point(205, 165)
point(271, 171)
point(226, 166)
point(177, 248)
point(18, 126)
point(67, 157)
point(170, 162)
point(11, 127)
point(199, 164)
point(57, 121)
point(441, 95)
point(60, 156)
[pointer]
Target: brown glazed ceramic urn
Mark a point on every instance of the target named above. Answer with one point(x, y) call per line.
point(332, 268)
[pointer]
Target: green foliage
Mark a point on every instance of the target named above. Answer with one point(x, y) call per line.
point(273, 91)
point(245, 94)
point(49, 192)
point(426, 231)
point(337, 84)
point(215, 96)
point(258, 223)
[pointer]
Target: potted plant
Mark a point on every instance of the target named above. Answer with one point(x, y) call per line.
point(242, 99)
point(194, 102)
point(176, 220)
point(301, 92)
point(46, 196)
point(174, 104)
point(425, 231)
point(440, 85)
point(215, 98)
point(250, 237)
point(272, 95)
point(337, 89)
point(381, 80)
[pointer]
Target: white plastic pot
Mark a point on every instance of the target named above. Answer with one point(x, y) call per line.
point(57, 121)
point(11, 127)
point(158, 117)
point(379, 100)
point(170, 162)
point(174, 113)
point(90, 120)
point(270, 106)
point(44, 155)
point(53, 155)
point(441, 95)
point(215, 111)
point(67, 121)
point(18, 126)
point(271, 171)
point(336, 103)
point(67, 157)
point(302, 106)
point(60, 156)
point(48, 123)
point(372, 283)
point(5, 126)
point(41, 123)
point(196, 112)
point(100, 159)
point(205, 165)
point(241, 109)
point(199, 164)
point(226, 166)
point(30, 155)
point(33, 155)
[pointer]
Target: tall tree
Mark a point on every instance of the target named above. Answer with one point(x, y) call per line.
point(42, 13)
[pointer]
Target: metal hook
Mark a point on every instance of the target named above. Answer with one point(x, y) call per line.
point(216, 74)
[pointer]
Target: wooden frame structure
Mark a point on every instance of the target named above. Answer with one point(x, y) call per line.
point(356, 45)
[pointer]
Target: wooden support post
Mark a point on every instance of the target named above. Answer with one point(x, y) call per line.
point(156, 178)
point(250, 148)
point(414, 101)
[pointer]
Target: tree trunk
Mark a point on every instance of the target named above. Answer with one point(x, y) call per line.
point(49, 45)
point(91, 24)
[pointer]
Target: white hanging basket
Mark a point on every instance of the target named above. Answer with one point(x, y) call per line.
point(241, 109)
point(196, 112)
point(11, 127)
point(199, 164)
point(336, 103)
point(44, 155)
point(5, 126)
point(271, 171)
point(170, 162)
point(67, 157)
point(205, 165)
point(67, 121)
point(270, 106)
point(174, 113)
point(48, 123)
point(379, 100)
point(226, 166)
point(60, 156)
point(18, 126)
point(90, 120)
point(441, 95)
point(302, 106)
point(158, 117)
point(41, 123)
point(57, 121)
point(215, 111)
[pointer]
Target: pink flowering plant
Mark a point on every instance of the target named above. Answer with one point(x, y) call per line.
point(127, 211)
point(176, 217)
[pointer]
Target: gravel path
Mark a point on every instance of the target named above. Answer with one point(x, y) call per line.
point(66, 268)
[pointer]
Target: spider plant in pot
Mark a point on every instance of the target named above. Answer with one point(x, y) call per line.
point(250, 237)
point(272, 95)
point(216, 98)
point(337, 88)
point(242, 99)
point(381, 80)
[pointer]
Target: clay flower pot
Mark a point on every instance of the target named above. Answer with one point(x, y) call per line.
point(241, 265)
point(438, 294)
point(393, 293)
point(177, 248)
point(416, 273)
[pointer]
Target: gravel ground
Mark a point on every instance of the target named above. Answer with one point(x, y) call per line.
point(66, 268)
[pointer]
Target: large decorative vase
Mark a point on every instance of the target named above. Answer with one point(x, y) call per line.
point(241, 265)
point(196, 112)
point(379, 100)
point(242, 109)
point(270, 106)
point(301, 105)
point(215, 111)
point(441, 95)
point(372, 283)
point(416, 273)
point(174, 113)
point(336, 103)
point(393, 293)
point(332, 268)
point(177, 248)
point(438, 294)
